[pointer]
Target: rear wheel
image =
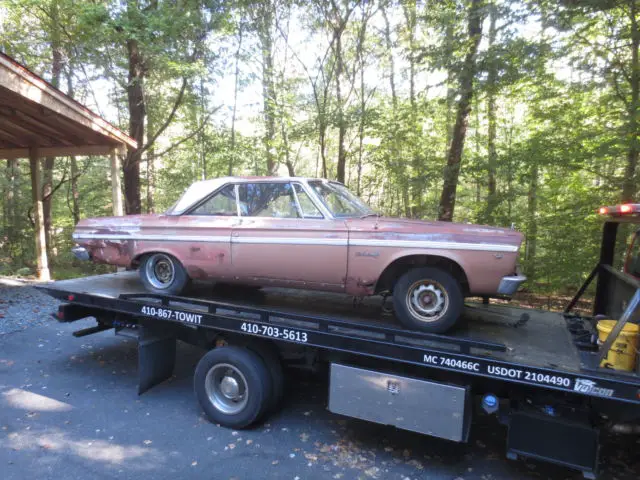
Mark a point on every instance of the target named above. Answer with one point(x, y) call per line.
point(428, 299)
point(163, 273)
point(269, 353)
point(233, 386)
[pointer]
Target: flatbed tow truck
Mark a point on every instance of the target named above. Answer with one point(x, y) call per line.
point(537, 371)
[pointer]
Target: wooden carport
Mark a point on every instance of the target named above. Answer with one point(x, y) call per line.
point(37, 121)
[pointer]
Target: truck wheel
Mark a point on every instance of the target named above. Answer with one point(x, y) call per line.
point(163, 273)
point(427, 299)
point(233, 386)
point(269, 353)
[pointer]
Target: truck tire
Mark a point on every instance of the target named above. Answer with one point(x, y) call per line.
point(233, 386)
point(427, 299)
point(163, 273)
point(269, 353)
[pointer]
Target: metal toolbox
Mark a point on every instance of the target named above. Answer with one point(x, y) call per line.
point(423, 406)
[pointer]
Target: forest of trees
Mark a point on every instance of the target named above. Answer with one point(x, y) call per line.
point(496, 112)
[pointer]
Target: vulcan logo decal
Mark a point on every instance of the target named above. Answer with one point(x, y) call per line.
point(589, 387)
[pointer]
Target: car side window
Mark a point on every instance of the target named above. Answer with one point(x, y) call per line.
point(309, 210)
point(222, 203)
point(267, 200)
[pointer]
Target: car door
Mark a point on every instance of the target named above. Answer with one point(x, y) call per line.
point(283, 239)
point(205, 233)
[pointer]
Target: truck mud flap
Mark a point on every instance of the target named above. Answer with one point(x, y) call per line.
point(156, 357)
point(570, 443)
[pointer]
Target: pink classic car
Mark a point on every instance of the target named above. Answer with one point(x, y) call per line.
point(311, 234)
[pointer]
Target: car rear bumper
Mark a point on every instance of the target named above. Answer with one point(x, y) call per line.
point(81, 253)
point(509, 284)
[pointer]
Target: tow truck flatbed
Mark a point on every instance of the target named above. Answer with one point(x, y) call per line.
point(493, 342)
point(535, 359)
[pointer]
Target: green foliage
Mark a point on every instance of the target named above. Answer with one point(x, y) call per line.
point(562, 83)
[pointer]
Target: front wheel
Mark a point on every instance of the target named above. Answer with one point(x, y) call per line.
point(163, 273)
point(428, 299)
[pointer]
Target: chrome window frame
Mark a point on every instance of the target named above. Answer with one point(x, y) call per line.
point(189, 211)
point(303, 182)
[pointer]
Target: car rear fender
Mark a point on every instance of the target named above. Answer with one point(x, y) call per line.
point(140, 254)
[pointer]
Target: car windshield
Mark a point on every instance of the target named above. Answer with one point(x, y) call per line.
point(339, 200)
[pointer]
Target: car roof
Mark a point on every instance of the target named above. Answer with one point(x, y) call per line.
point(203, 188)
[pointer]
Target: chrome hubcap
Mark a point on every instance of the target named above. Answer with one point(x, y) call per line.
point(227, 388)
point(230, 388)
point(427, 300)
point(160, 271)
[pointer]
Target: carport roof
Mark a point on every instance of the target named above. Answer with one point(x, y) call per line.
point(33, 113)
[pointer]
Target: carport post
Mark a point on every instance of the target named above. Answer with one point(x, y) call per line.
point(116, 189)
point(42, 263)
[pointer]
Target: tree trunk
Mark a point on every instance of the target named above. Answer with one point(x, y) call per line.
point(322, 140)
point(137, 113)
point(452, 169)
point(363, 100)
point(11, 216)
point(492, 159)
point(342, 126)
point(450, 77)
point(630, 182)
point(415, 206)
point(392, 68)
point(48, 162)
point(236, 87)
point(151, 173)
point(532, 224)
point(398, 167)
point(265, 25)
point(75, 195)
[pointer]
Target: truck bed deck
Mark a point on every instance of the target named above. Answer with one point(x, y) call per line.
point(511, 344)
point(543, 341)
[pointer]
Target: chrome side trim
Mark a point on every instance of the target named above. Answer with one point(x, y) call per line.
point(487, 247)
point(339, 242)
point(152, 238)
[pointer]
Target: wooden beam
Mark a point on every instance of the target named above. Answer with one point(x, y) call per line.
point(11, 153)
point(38, 216)
point(22, 82)
point(75, 132)
point(38, 123)
point(116, 189)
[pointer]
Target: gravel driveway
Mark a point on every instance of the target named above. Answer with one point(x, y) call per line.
point(69, 409)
